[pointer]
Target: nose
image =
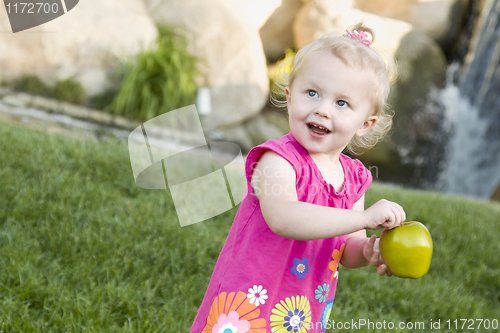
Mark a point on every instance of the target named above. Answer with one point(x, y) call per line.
point(323, 110)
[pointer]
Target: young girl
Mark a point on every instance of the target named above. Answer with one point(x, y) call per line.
point(303, 211)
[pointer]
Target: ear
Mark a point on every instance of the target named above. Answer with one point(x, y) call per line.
point(369, 122)
point(288, 93)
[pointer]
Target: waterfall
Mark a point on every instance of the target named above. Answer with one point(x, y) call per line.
point(465, 172)
point(473, 113)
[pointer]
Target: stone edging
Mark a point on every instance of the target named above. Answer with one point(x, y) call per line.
point(24, 100)
point(21, 99)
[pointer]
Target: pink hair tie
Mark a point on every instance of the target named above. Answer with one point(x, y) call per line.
point(362, 36)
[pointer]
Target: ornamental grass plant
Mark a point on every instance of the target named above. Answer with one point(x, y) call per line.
point(158, 80)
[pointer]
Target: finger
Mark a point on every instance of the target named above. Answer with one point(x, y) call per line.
point(402, 214)
point(382, 263)
point(389, 219)
point(380, 260)
point(376, 246)
point(374, 260)
point(392, 218)
point(391, 222)
point(381, 270)
point(399, 216)
point(386, 269)
point(368, 248)
point(372, 242)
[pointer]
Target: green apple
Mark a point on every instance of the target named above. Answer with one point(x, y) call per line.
point(407, 250)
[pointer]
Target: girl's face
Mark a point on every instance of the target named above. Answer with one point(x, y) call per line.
point(329, 94)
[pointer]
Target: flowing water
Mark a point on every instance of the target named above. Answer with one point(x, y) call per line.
point(466, 172)
point(473, 113)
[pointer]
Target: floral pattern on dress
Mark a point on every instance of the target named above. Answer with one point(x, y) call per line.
point(325, 314)
point(322, 292)
point(233, 312)
point(291, 315)
point(257, 295)
point(300, 268)
point(334, 265)
point(231, 323)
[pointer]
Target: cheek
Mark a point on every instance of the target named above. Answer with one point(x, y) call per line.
point(343, 124)
point(294, 112)
point(292, 117)
point(294, 121)
point(300, 107)
point(347, 126)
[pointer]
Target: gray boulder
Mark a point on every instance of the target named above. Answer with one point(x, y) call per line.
point(233, 61)
point(86, 44)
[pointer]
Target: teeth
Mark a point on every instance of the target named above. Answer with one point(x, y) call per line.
point(318, 126)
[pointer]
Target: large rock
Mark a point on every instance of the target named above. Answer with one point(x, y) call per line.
point(87, 43)
point(496, 194)
point(255, 12)
point(276, 34)
point(319, 17)
point(438, 19)
point(413, 153)
point(233, 60)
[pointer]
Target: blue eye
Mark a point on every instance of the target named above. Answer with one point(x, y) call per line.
point(312, 93)
point(342, 103)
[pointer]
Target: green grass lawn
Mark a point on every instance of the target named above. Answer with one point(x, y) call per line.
point(83, 249)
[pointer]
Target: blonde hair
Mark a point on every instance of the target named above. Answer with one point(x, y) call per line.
point(354, 54)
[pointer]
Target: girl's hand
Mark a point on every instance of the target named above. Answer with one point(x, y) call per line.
point(384, 213)
point(371, 252)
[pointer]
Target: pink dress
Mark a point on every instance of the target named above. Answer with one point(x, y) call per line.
point(263, 282)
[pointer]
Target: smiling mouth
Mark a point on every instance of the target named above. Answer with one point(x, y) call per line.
point(318, 129)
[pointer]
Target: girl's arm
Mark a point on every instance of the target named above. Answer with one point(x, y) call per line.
point(353, 253)
point(361, 251)
point(273, 181)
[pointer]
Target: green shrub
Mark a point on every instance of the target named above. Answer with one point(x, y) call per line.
point(158, 80)
point(102, 100)
point(70, 91)
point(32, 84)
